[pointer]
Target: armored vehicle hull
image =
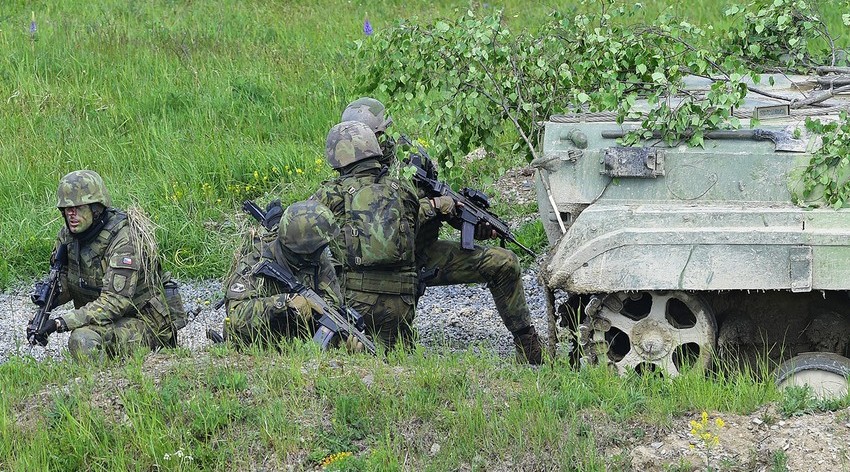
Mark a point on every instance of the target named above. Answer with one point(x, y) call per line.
point(668, 254)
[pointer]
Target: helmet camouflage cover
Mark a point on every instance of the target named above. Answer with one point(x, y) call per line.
point(82, 187)
point(368, 111)
point(350, 142)
point(306, 227)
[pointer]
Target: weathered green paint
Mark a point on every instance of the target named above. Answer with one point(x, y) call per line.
point(717, 217)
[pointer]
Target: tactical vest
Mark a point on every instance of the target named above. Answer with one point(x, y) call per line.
point(379, 232)
point(86, 265)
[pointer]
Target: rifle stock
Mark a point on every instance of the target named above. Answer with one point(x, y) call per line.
point(44, 296)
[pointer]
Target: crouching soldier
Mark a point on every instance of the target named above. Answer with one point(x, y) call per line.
point(260, 309)
point(110, 271)
point(379, 218)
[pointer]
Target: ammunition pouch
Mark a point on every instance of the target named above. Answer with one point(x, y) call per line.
point(394, 283)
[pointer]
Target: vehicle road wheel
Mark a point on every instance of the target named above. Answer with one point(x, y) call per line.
point(653, 331)
point(828, 374)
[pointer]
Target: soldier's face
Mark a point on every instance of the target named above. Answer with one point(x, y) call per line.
point(79, 218)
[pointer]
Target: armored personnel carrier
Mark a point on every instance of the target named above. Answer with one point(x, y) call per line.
point(665, 256)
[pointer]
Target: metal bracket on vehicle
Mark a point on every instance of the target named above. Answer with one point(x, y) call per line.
point(800, 265)
point(550, 159)
point(641, 162)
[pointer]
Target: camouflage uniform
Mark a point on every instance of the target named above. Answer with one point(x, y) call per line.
point(121, 302)
point(259, 309)
point(378, 256)
point(497, 267)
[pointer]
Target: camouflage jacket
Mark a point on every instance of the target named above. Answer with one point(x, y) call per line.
point(430, 220)
point(106, 279)
point(248, 294)
point(333, 195)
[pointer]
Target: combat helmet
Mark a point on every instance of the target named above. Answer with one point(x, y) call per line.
point(368, 111)
point(82, 187)
point(350, 142)
point(307, 227)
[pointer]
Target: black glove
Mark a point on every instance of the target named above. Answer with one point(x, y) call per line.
point(52, 326)
point(483, 231)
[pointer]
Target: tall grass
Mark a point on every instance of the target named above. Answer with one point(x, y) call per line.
point(269, 409)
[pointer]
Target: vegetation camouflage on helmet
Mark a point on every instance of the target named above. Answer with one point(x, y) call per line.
point(306, 227)
point(350, 142)
point(368, 111)
point(82, 187)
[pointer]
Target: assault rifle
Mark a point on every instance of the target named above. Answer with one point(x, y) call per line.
point(44, 296)
point(472, 205)
point(332, 321)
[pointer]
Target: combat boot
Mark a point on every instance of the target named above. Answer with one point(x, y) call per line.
point(528, 349)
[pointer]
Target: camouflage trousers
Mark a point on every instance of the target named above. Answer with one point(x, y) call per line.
point(263, 321)
point(388, 317)
point(115, 339)
point(497, 267)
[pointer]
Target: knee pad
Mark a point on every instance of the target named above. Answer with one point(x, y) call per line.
point(85, 342)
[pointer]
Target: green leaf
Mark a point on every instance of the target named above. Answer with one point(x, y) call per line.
point(583, 97)
point(641, 68)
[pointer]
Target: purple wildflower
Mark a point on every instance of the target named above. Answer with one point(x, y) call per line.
point(367, 27)
point(33, 27)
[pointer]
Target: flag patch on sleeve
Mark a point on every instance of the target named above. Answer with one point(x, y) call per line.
point(127, 261)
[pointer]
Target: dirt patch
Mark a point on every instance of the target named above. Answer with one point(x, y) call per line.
point(760, 441)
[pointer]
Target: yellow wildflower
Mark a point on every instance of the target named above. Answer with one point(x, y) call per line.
point(327, 461)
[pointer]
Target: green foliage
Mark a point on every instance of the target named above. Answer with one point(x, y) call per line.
point(471, 75)
point(827, 175)
point(801, 400)
point(779, 461)
point(787, 35)
point(465, 78)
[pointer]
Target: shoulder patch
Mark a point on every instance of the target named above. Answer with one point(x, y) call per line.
point(237, 287)
point(127, 261)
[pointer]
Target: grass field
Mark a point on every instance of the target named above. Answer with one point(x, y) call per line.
point(185, 108)
point(271, 411)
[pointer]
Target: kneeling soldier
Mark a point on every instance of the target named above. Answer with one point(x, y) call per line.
point(260, 309)
point(121, 299)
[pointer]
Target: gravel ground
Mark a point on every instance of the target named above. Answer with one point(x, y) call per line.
point(455, 316)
